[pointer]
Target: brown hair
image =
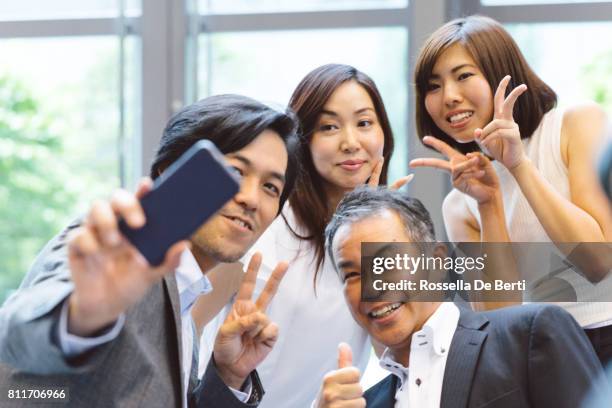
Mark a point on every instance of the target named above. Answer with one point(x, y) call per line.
point(497, 55)
point(309, 201)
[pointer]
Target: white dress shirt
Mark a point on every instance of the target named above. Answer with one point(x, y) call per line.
point(191, 283)
point(310, 325)
point(421, 385)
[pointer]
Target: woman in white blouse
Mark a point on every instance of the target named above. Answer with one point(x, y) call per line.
point(346, 140)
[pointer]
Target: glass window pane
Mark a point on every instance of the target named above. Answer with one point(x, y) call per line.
point(59, 9)
point(59, 120)
point(275, 6)
point(565, 56)
point(240, 63)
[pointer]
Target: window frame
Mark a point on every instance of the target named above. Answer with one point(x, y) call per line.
point(534, 13)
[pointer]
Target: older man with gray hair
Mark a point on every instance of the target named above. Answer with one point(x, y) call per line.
point(440, 354)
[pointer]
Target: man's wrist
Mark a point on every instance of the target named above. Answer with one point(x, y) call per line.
point(73, 345)
point(230, 379)
point(85, 324)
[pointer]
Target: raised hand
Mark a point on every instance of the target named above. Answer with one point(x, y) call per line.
point(109, 274)
point(247, 335)
point(375, 177)
point(341, 387)
point(472, 174)
point(501, 138)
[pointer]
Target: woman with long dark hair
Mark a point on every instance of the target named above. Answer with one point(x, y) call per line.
point(346, 141)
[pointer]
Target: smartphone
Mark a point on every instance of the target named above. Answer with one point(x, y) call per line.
point(183, 197)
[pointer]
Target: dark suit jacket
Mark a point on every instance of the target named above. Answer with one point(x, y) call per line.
point(140, 368)
point(523, 356)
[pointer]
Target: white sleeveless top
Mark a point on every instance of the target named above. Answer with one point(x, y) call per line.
point(544, 150)
point(310, 326)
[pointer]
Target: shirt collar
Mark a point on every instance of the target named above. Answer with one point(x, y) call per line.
point(387, 362)
point(442, 325)
point(190, 281)
point(437, 335)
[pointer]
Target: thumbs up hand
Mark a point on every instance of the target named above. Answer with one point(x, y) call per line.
point(341, 388)
point(345, 356)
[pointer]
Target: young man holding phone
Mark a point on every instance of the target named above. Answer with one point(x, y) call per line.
point(95, 319)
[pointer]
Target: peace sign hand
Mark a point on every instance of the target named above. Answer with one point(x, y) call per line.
point(472, 174)
point(247, 335)
point(377, 170)
point(501, 138)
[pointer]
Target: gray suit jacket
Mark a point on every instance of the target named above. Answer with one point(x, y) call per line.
point(524, 356)
point(140, 368)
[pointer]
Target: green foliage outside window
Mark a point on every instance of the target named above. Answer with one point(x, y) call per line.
point(597, 81)
point(33, 198)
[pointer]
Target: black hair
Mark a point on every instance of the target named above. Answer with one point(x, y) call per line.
point(231, 122)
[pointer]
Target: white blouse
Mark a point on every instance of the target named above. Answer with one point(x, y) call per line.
point(310, 325)
point(544, 150)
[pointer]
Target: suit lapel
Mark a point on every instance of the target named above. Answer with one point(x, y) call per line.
point(382, 395)
point(173, 295)
point(462, 359)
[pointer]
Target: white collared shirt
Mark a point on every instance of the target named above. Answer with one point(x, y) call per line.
point(191, 283)
point(421, 385)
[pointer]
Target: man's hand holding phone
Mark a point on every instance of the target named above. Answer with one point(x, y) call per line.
point(247, 335)
point(130, 242)
point(110, 274)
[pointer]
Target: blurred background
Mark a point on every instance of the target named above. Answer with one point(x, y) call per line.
point(86, 86)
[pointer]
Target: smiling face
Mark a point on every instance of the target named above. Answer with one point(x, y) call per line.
point(390, 323)
point(459, 98)
point(348, 139)
point(261, 166)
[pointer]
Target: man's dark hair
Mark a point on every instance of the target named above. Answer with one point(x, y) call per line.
point(231, 122)
point(365, 202)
